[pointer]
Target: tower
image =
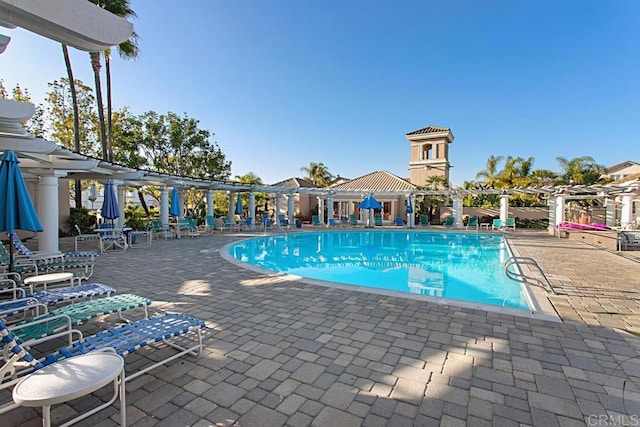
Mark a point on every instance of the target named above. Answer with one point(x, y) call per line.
point(429, 153)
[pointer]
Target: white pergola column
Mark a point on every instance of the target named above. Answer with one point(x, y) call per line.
point(610, 214)
point(277, 206)
point(210, 207)
point(504, 207)
point(164, 205)
point(47, 210)
point(559, 217)
point(320, 209)
point(329, 208)
point(551, 202)
point(252, 210)
point(121, 193)
point(626, 219)
point(291, 208)
point(182, 194)
point(232, 209)
point(340, 210)
point(411, 217)
point(457, 211)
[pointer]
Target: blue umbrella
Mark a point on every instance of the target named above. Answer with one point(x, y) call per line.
point(16, 209)
point(175, 209)
point(239, 210)
point(110, 209)
point(409, 207)
point(370, 202)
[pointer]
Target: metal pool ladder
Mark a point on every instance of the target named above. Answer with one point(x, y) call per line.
point(518, 275)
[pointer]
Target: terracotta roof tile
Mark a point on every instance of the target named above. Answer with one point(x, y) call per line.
point(376, 181)
point(429, 129)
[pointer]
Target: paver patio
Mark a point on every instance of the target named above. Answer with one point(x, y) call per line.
point(287, 353)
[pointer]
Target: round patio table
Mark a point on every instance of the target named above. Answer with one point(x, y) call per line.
point(45, 279)
point(70, 379)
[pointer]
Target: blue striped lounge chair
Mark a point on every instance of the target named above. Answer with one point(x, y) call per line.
point(122, 339)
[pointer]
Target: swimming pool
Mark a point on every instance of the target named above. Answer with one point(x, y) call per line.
point(461, 266)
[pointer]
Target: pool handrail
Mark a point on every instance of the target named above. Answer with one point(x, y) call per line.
point(523, 278)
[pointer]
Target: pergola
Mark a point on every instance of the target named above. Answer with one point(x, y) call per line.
point(87, 27)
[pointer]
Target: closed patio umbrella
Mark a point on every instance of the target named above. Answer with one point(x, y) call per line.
point(239, 210)
point(110, 209)
point(175, 209)
point(16, 208)
point(93, 194)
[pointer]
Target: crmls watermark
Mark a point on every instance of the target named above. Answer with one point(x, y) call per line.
point(613, 420)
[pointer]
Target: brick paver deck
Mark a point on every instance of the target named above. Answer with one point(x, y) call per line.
point(287, 353)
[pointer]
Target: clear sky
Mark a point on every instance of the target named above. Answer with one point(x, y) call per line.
point(283, 83)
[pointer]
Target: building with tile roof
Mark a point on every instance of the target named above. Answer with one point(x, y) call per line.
point(429, 148)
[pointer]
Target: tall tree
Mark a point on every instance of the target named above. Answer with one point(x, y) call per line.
point(317, 173)
point(127, 50)
point(580, 170)
point(490, 176)
point(59, 107)
point(171, 144)
point(76, 119)
point(119, 8)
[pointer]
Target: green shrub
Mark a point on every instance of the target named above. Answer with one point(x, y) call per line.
point(83, 218)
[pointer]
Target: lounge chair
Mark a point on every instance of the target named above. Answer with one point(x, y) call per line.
point(122, 340)
point(315, 221)
point(424, 220)
point(473, 223)
point(161, 229)
point(55, 260)
point(112, 238)
point(353, 221)
point(230, 225)
point(43, 260)
point(377, 220)
point(140, 238)
point(76, 314)
point(510, 223)
point(283, 221)
point(21, 266)
point(25, 302)
point(83, 237)
point(399, 222)
point(449, 221)
point(192, 227)
point(333, 223)
point(266, 221)
point(497, 224)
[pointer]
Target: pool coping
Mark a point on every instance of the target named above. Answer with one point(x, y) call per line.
point(542, 308)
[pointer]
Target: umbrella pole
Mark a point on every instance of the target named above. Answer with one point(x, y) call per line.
point(10, 256)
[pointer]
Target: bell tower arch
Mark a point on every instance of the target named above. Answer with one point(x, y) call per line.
point(429, 153)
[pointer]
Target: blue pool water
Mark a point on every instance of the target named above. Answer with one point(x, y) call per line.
point(462, 266)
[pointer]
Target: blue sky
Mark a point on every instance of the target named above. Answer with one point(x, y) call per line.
point(285, 83)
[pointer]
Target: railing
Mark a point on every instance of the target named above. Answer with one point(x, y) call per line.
point(519, 276)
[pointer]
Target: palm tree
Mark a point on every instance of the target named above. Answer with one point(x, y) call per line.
point(76, 120)
point(252, 178)
point(429, 203)
point(119, 8)
point(490, 176)
point(127, 50)
point(317, 173)
point(580, 170)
